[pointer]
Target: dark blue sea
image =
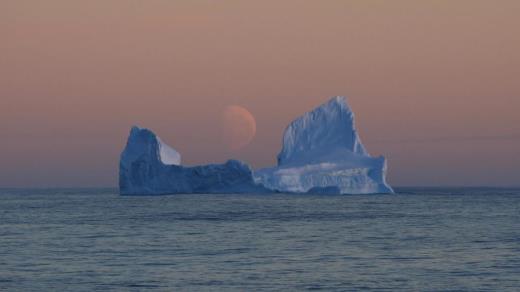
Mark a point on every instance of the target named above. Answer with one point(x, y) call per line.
point(428, 239)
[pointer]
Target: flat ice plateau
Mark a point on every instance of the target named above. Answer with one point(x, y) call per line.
point(321, 153)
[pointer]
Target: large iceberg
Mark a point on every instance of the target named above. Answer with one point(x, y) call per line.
point(321, 153)
point(150, 167)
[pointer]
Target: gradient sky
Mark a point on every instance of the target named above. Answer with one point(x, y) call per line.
point(435, 85)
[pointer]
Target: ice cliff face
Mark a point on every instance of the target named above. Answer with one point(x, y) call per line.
point(150, 167)
point(330, 127)
point(322, 152)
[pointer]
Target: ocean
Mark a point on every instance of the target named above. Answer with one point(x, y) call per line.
point(420, 239)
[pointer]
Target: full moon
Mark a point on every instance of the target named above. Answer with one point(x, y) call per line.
point(239, 127)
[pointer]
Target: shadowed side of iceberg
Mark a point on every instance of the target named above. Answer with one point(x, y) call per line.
point(150, 167)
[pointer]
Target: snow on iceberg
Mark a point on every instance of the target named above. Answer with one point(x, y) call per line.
point(150, 167)
point(322, 152)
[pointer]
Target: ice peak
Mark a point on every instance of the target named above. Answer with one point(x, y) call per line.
point(342, 100)
point(143, 140)
point(327, 128)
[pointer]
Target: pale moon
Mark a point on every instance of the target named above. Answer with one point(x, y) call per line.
point(239, 127)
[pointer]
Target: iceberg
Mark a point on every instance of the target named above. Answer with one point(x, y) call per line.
point(321, 154)
point(150, 167)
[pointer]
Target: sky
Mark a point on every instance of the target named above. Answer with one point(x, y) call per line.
point(434, 84)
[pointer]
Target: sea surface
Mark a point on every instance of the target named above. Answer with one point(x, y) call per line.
point(421, 239)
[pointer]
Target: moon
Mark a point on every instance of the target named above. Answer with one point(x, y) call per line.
point(238, 127)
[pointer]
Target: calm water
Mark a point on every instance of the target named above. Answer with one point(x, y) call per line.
point(420, 239)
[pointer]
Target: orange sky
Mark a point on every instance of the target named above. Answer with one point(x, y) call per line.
point(434, 84)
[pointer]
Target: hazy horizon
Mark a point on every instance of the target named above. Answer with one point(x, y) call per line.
point(434, 85)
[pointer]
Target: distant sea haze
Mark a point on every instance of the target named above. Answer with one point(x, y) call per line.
point(451, 139)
